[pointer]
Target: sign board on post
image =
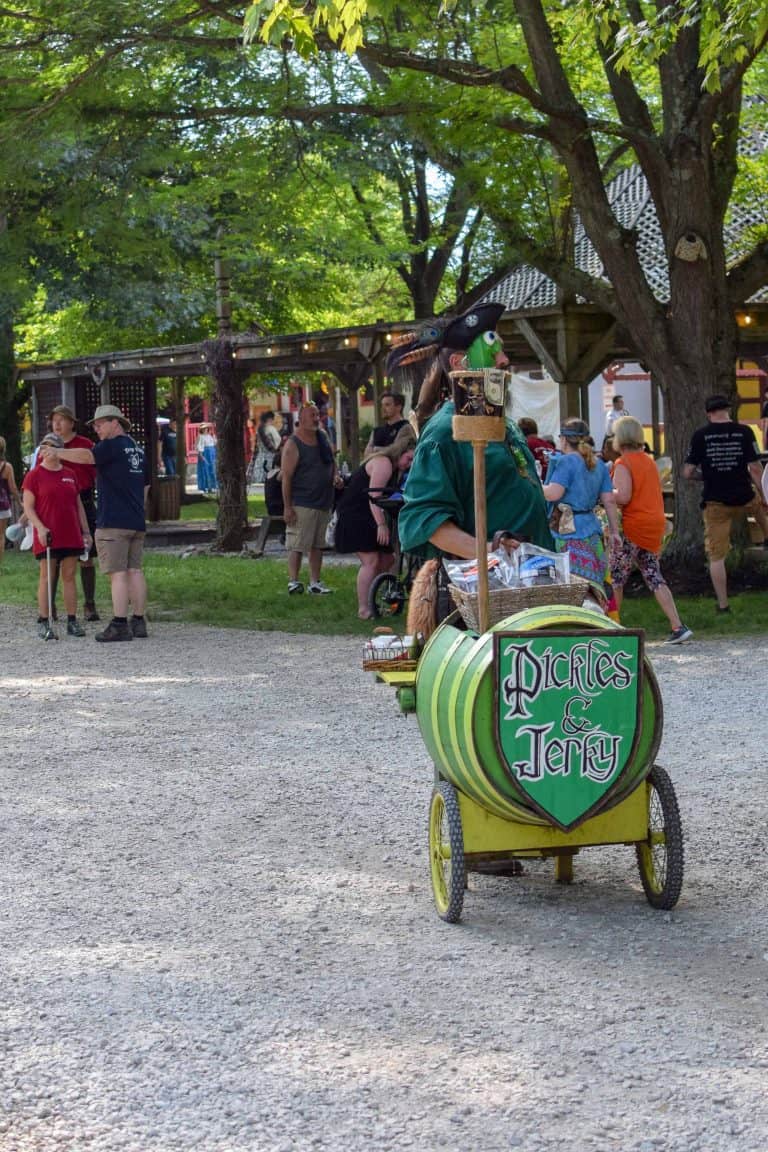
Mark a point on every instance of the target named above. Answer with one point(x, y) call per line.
point(568, 712)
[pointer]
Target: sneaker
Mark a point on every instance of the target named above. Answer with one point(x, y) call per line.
point(114, 631)
point(42, 628)
point(679, 635)
point(317, 588)
point(295, 586)
point(138, 626)
point(75, 629)
point(90, 613)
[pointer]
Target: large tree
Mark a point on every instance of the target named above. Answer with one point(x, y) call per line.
point(593, 83)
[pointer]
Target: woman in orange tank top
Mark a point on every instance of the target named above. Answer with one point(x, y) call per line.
point(637, 490)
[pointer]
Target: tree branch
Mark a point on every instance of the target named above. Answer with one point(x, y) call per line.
point(748, 275)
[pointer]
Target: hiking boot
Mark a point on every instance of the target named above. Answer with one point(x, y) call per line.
point(75, 629)
point(679, 635)
point(115, 631)
point(138, 626)
point(317, 588)
point(90, 613)
point(294, 587)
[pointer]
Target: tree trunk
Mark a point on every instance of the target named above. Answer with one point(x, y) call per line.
point(228, 410)
point(12, 397)
point(684, 391)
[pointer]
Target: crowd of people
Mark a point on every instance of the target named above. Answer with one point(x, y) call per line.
point(603, 507)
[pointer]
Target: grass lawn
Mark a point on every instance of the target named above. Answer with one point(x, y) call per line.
point(207, 508)
point(238, 593)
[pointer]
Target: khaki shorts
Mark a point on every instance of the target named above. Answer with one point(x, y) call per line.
point(718, 520)
point(309, 529)
point(119, 549)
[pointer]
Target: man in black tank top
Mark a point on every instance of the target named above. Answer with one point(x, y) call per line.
point(392, 404)
point(309, 476)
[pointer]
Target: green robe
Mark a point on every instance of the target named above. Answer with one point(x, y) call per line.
point(440, 488)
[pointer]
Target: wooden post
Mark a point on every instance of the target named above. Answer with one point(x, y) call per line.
point(481, 533)
point(177, 392)
point(479, 431)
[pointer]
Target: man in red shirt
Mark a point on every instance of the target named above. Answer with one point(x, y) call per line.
point(63, 424)
point(55, 510)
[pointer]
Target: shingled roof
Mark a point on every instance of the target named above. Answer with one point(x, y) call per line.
point(525, 288)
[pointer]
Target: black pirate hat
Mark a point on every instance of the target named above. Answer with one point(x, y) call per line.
point(462, 331)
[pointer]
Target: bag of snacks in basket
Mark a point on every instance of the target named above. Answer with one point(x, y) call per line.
point(537, 566)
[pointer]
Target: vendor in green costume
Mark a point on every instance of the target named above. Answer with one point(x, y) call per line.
point(438, 513)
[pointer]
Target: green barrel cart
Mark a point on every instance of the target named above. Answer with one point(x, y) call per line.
point(543, 731)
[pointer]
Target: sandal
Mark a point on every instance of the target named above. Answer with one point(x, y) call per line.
point(365, 614)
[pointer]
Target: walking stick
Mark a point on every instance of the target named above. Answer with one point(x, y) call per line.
point(50, 634)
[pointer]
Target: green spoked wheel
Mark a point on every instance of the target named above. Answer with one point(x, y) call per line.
point(660, 857)
point(446, 853)
point(386, 597)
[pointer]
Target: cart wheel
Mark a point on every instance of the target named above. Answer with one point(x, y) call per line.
point(386, 597)
point(660, 858)
point(446, 853)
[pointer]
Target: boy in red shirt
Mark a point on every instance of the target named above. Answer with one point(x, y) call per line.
point(54, 508)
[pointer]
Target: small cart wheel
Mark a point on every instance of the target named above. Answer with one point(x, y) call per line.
point(446, 853)
point(386, 597)
point(660, 857)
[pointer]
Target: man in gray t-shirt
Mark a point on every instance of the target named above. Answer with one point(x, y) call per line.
point(309, 476)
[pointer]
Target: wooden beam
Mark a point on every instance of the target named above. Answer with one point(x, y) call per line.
point(526, 329)
point(594, 357)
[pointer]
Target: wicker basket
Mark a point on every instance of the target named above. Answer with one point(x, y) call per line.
point(394, 659)
point(389, 665)
point(503, 602)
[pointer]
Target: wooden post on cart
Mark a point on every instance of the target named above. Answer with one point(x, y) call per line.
point(479, 431)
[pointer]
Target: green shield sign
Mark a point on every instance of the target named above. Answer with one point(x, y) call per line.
point(567, 716)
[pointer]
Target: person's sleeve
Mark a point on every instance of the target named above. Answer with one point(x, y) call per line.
point(29, 483)
point(431, 497)
point(103, 452)
point(559, 471)
point(750, 445)
point(695, 455)
point(606, 484)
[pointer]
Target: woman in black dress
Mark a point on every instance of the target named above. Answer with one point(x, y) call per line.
point(362, 525)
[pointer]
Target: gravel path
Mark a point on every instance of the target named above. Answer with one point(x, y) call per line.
point(218, 932)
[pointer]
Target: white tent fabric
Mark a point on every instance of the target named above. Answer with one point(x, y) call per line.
point(536, 397)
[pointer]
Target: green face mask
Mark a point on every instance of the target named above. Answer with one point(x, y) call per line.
point(483, 351)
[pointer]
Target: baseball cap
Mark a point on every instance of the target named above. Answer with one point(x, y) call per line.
point(716, 403)
point(52, 439)
point(110, 412)
point(63, 410)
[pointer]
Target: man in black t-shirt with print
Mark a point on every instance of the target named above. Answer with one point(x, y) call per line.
point(726, 454)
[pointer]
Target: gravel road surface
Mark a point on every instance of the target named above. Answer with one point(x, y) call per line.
point(218, 933)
